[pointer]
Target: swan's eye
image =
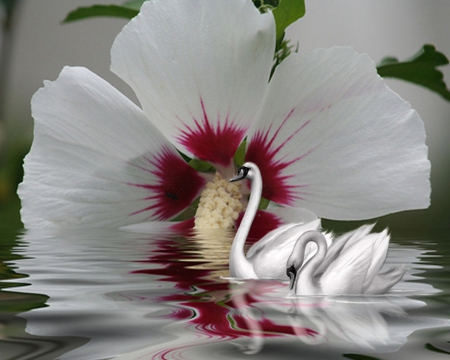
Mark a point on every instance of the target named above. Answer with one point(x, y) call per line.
point(243, 171)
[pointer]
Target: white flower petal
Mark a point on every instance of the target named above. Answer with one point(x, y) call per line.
point(333, 138)
point(96, 160)
point(200, 70)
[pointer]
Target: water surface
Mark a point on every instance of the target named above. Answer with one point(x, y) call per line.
point(152, 293)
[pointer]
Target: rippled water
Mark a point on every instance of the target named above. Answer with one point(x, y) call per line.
point(155, 294)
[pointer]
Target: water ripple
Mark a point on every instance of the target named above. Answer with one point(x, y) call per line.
point(165, 295)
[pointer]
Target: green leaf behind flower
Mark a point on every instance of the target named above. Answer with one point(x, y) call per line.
point(286, 13)
point(421, 69)
point(202, 166)
point(101, 11)
point(134, 4)
point(239, 156)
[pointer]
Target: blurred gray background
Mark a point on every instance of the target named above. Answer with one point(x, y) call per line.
point(42, 46)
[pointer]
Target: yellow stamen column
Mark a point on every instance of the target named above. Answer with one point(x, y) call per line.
point(220, 204)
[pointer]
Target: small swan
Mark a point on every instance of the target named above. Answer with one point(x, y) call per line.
point(267, 258)
point(351, 265)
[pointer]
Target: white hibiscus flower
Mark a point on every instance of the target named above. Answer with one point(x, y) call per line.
point(325, 131)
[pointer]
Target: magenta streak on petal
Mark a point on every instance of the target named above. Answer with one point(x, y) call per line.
point(260, 152)
point(177, 187)
point(216, 145)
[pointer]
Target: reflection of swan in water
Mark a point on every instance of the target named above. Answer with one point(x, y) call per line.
point(377, 323)
point(362, 321)
point(260, 302)
point(351, 265)
point(266, 259)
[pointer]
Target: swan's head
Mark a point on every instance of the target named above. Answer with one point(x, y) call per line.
point(246, 171)
point(295, 260)
point(291, 272)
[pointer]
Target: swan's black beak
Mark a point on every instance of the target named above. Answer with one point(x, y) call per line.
point(237, 177)
point(292, 273)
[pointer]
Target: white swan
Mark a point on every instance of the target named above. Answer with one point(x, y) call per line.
point(351, 265)
point(266, 259)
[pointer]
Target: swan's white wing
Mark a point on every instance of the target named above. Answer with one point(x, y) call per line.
point(334, 249)
point(379, 254)
point(347, 273)
point(358, 235)
point(384, 281)
point(282, 231)
point(269, 255)
point(341, 242)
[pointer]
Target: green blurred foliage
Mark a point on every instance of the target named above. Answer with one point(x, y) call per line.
point(12, 152)
point(420, 69)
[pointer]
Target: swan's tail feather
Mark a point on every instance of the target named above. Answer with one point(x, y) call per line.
point(379, 254)
point(385, 280)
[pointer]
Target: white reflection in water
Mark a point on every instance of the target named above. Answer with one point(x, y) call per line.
point(373, 323)
point(162, 295)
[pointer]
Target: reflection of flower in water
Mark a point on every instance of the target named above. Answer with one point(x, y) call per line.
point(136, 296)
point(209, 304)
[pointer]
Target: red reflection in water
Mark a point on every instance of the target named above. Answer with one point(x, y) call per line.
point(263, 223)
point(213, 306)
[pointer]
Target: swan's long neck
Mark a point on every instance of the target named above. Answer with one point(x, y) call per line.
point(306, 284)
point(239, 265)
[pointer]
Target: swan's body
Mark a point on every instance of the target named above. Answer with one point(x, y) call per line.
point(351, 265)
point(267, 258)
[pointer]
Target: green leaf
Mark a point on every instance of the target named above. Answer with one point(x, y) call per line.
point(202, 166)
point(282, 51)
point(287, 12)
point(239, 156)
point(134, 4)
point(263, 203)
point(101, 10)
point(421, 69)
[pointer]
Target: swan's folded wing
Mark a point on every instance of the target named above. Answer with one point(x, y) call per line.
point(359, 234)
point(270, 254)
point(346, 274)
point(282, 235)
point(334, 249)
point(342, 242)
point(379, 254)
point(384, 281)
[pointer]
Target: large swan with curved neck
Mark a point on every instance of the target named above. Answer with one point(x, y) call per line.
point(350, 265)
point(265, 259)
